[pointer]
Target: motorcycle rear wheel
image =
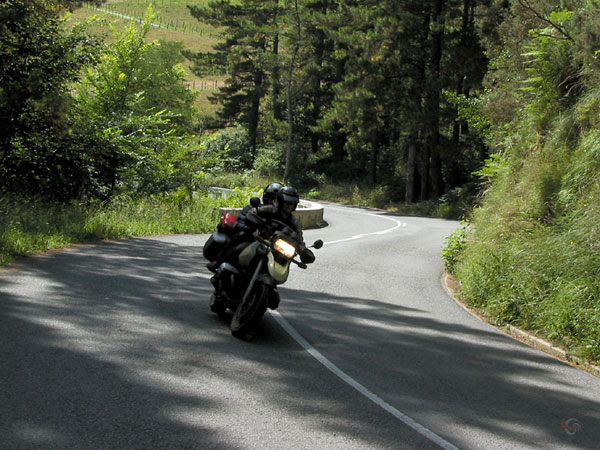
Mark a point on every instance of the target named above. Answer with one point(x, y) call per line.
point(248, 314)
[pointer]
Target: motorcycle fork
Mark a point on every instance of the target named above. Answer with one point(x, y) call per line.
point(253, 281)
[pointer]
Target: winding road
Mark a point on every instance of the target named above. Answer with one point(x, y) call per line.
point(112, 346)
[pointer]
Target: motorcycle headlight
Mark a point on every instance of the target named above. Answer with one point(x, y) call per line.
point(285, 248)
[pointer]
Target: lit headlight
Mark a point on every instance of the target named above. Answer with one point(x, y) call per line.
point(285, 248)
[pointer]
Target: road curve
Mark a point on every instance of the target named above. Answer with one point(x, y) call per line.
point(112, 346)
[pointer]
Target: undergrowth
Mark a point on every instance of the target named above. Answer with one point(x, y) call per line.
point(531, 255)
point(28, 226)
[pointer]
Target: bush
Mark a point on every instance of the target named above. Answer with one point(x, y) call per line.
point(270, 161)
point(234, 147)
point(31, 225)
point(453, 247)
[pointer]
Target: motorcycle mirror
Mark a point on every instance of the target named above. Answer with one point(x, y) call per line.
point(255, 202)
point(318, 244)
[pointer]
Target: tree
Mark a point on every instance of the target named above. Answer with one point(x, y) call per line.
point(302, 66)
point(431, 175)
point(364, 86)
point(305, 72)
point(245, 55)
point(134, 110)
point(379, 99)
point(39, 61)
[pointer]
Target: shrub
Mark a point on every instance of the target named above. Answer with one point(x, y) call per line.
point(453, 247)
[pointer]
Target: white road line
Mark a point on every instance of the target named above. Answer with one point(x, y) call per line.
point(359, 387)
point(426, 432)
point(345, 377)
point(399, 224)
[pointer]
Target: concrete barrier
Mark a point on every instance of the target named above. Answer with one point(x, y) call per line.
point(309, 214)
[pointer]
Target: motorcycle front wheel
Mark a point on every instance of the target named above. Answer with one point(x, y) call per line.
point(248, 314)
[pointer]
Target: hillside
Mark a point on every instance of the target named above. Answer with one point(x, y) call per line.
point(173, 24)
point(531, 253)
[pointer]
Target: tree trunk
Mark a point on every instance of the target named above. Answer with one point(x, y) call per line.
point(277, 113)
point(460, 80)
point(290, 102)
point(290, 120)
point(432, 152)
point(425, 154)
point(337, 142)
point(373, 165)
point(411, 172)
point(253, 116)
point(417, 165)
point(316, 89)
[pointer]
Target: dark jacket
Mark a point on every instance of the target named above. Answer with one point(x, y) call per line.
point(266, 213)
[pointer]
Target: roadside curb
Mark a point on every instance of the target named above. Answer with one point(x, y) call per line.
point(450, 286)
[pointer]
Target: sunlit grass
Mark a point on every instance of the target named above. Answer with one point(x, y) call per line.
point(28, 226)
point(532, 255)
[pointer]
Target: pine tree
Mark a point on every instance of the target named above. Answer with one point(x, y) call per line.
point(245, 54)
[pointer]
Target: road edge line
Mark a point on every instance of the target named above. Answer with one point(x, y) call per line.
point(423, 431)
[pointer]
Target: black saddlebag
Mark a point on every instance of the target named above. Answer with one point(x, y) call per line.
point(214, 245)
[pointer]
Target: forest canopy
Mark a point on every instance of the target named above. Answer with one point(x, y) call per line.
point(323, 91)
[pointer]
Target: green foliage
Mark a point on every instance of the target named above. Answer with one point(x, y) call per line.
point(247, 26)
point(549, 71)
point(39, 60)
point(247, 180)
point(493, 167)
point(532, 257)
point(470, 110)
point(343, 82)
point(453, 247)
point(134, 110)
point(233, 147)
point(458, 202)
point(270, 161)
point(33, 225)
point(120, 128)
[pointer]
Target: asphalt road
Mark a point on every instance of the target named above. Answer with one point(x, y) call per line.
point(112, 346)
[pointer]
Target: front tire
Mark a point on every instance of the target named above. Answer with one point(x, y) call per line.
point(248, 315)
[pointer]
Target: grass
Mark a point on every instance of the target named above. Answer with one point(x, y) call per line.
point(531, 257)
point(28, 226)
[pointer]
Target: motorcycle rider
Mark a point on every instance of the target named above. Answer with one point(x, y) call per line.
point(269, 197)
point(242, 230)
point(281, 210)
point(279, 204)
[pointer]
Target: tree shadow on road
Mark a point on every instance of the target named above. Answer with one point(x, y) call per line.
point(475, 377)
point(113, 346)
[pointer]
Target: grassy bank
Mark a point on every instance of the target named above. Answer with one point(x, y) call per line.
point(28, 226)
point(533, 260)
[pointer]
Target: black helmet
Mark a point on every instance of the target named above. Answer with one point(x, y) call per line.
point(270, 193)
point(287, 195)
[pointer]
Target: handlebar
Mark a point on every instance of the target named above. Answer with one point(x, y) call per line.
point(300, 264)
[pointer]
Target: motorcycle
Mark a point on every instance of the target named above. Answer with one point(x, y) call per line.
point(249, 287)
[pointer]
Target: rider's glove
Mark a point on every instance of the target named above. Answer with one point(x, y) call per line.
point(307, 256)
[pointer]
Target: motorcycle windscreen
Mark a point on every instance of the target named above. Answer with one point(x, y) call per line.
point(279, 272)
